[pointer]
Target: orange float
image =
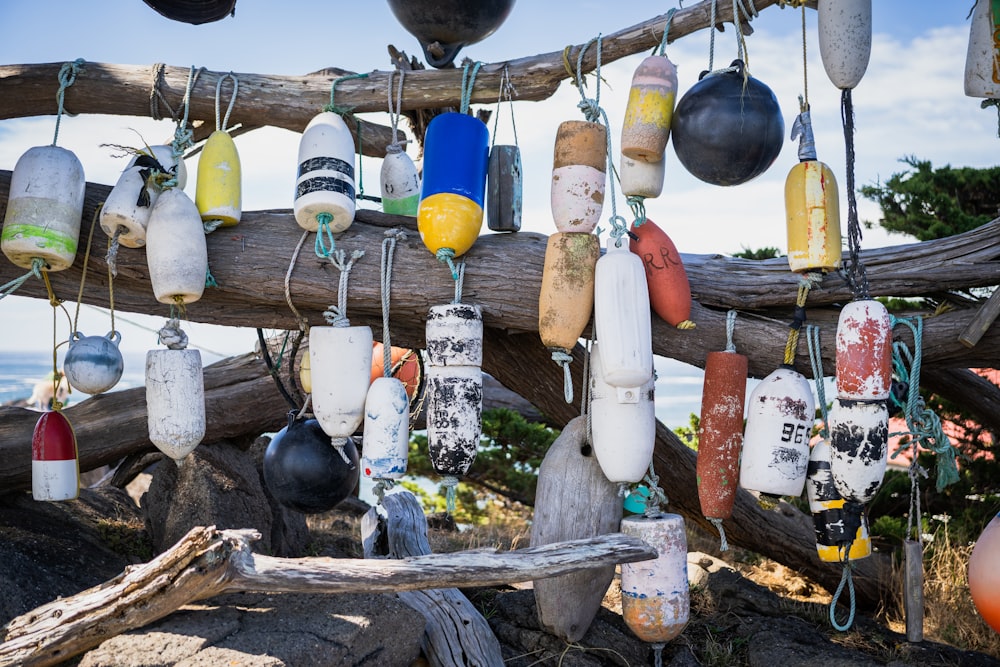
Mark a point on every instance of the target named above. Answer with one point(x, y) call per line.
point(405, 367)
point(720, 436)
point(984, 574)
point(864, 351)
point(669, 289)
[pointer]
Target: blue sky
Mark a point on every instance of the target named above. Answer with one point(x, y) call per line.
point(911, 102)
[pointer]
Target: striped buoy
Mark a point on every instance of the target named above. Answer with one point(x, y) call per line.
point(387, 429)
point(780, 416)
point(340, 361)
point(579, 168)
point(324, 187)
point(127, 208)
point(641, 179)
point(623, 423)
point(656, 600)
point(400, 183)
point(456, 159)
point(175, 400)
point(622, 317)
point(94, 364)
point(573, 500)
point(827, 508)
point(669, 289)
point(812, 216)
point(219, 195)
point(859, 434)
point(55, 468)
point(646, 127)
point(566, 298)
point(505, 181)
point(845, 40)
point(176, 251)
point(984, 575)
point(982, 60)
point(44, 208)
point(864, 351)
point(720, 433)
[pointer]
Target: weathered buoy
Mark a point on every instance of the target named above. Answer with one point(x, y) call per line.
point(94, 364)
point(127, 208)
point(400, 183)
point(720, 432)
point(669, 289)
point(579, 169)
point(573, 500)
point(859, 435)
point(864, 351)
point(566, 298)
point(727, 128)
point(454, 335)
point(55, 468)
point(175, 401)
point(646, 127)
point(982, 60)
point(827, 508)
point(176, 252)
point(387, 429)
point(656, 601)
point(340, 362)
point(44, 208)
point(324, 187)
point(220, 180)
point(780, 416)
point(306, 473)
point(641, 179)
point(845, 40)
point(812, 216)
point(505, 183)
point(456, 159)
point(622, 317)
point(984, 575)
point(623, 423)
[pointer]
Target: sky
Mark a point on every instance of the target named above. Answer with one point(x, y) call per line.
point(910, 103)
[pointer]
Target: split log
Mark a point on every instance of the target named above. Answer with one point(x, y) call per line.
point(207, 562)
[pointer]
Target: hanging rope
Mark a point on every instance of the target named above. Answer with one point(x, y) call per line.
point(507, 91)
point(172, 335)
point(469, 71)
point(336, 316)
point(272, 370)
point(730, 330)
point(459, 282)
point(396, 146)
point(83, 270)
point(564, 358)
point(816, 361)
point(806, 282)
point(184, 136)
point(37, 266)
point(656, 496)
point(156, 94)
point(302, 322)
point(385, 273)
point(666, 31)
point(450, 484)
point(846, 579)
point(854, 273)
point(67, 76)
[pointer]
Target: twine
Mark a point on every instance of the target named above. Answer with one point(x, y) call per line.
point(394, 114)
point(450, 482)
point(302, 322)
point(816, 361)
point(183, 136)
point(232, 101)
point(469, 72)
point(656, 495)
point(806, 283)
point(723, 544)
point(854, 273)
point(339, 444)
point(563, 357)
point(730, 330)
point(156, 95)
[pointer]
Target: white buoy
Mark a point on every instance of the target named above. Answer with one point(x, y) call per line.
point(325, 182)
point(623, 423)
point(845, 40)
point(340, 365)
point(386, 442)
point(454, 400)
point(176, 252)
point(175, 401)
point(454, 335)
point(640, 178)
point(656, 601)
point(44, 208)
point(859, 435)
point(127, 208)
point(94, 364)
point(400, 184)
point(982, 60)
point(780, 415)
point(622, 317)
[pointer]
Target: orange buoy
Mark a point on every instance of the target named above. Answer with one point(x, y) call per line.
point(864, 351)
point(405, 366)
point(984, 574)
point(669, 289)
point(566, 299)
point(579, 169)
point(720, 435)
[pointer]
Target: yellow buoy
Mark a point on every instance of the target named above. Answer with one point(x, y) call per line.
point(812, 214)
point(566, 299)
point(219, 194)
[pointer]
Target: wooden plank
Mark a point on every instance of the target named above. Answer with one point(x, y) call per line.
point(983, 320)
point(913, 589)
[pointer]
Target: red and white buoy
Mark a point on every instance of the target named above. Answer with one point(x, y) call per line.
point(55, 468)
point(646, 127)
point(127, 208)
point(579, 171)
point(982, 60)
point(827, 508)
point(176, 251)
point(622, 317)
point(324, 187)
point(845, 40)
point(864, 351)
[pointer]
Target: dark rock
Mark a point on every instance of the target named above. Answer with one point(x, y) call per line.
point(289, 532)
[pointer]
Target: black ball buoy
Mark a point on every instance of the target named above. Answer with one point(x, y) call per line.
point(305, 472)
point(726, 129)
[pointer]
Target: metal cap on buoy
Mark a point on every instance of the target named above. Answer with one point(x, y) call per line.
point(845, 39)
point(646, 127)
point(579, 167)
point(656, 602)
point(443, 27)
point(55, 468)
point(324, 186)
point(669, 289)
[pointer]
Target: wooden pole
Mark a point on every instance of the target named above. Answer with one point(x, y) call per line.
point(913, 589)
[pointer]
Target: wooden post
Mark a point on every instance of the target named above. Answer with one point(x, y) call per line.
point(982, 321)
point(913, 589)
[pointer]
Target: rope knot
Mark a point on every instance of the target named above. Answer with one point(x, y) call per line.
point(172, 336)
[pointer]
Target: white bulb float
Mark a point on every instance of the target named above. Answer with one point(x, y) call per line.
point(175, 395)
point(579, 171)
point(126, 211)
point(399, 182)
point(845, 39)
point(622, 317)
point(386, 430)
point(176, 251)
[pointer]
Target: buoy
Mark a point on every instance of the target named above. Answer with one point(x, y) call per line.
point(454, 335)
point(845, 40)
point(669, 289)
point(984, 575)
point(340, 361)
point(812, 216)
point(220, 181)
point(176, 252)
point(505, 183)
point(641, 179)
point(175, 400)
point(127, 208)
point(826, 505)
point(622, 317)
point(656, 601)
point(982, 60)
point(720, 432)
point(566, 298)
point(573, 500)
point(405, 367)
point(443, 27)
point(864, 351)
point(400, 184)
point(646, 127)
point(94, 364)
point(324, 188)
point(55, 468)
point(387, 429)
point(859, 435)
point(579, 168)
point(623, 423)
point(780, 416)
point(306, 473)
point(456, 159)
point(305, 373)
point(44, 208)
point(727, 128)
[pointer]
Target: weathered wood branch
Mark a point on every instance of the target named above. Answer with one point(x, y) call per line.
point(207, 562)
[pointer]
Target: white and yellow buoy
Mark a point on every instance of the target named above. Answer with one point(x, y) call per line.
point(129, 204)
point(646, 127)
point(324, 187)
point(176, 251)
point(219, 196)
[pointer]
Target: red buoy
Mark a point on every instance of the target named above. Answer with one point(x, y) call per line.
point(984, 574)
point(864, 351)
point(720, 435)
point(669, 289)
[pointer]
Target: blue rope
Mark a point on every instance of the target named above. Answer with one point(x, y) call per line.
point(446, 256)
point(37, 264)
point(845, 579)
point(325, 243)
point(816, 361)
point(468, 81)
point(666, 31)
point(67, 75)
